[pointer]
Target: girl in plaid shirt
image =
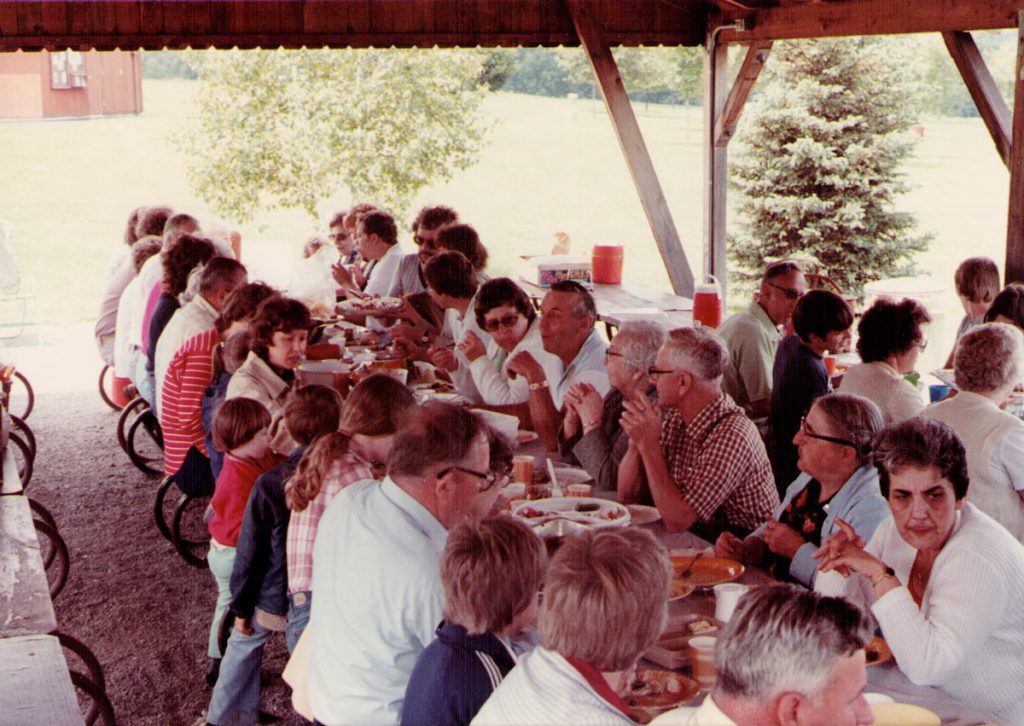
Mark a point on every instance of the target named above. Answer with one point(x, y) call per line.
point(369, 419)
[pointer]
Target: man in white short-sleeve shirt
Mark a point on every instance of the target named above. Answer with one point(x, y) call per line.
point(568, 315)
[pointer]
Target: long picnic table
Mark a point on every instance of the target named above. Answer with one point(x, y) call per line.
point(35, 684)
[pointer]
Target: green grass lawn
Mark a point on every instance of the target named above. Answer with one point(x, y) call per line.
point(552, 165)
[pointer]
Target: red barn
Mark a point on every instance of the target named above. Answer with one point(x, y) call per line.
point(63, 84)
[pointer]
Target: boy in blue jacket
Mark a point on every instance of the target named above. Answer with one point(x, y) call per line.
point(491, 572)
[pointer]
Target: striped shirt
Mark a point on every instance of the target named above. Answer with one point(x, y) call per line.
point(303, 525)
point(181, 419)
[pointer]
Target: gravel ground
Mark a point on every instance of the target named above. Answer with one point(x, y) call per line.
point(141, 609)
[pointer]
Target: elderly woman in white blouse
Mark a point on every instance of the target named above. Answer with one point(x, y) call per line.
point(944, 580)
point(505, 312)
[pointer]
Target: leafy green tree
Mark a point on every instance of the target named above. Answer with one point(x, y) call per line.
point(288, 128)
point(647, 73)
point(166, 64)
point(818, 169)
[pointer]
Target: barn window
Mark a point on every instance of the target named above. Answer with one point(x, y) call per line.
point(67, 70)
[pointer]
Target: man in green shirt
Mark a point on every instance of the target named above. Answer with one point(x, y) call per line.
point(752, 335)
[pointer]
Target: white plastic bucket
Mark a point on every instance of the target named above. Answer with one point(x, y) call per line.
point(934, 295)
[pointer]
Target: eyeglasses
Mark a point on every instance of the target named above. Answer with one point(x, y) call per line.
point(488, 479)
point(831, 439)
point(506, 321)
point(337, 236)
point(652, 371)
point(789, 292)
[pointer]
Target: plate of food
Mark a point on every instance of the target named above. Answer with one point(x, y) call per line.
point(877, 651)
point(568, 475)
point(524, 436)
point(703, 570)
point(643, 514)
point(652, 692)
point(557, 516)
point(678, 589)
point(372, 305)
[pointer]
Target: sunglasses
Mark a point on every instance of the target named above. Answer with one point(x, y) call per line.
point(831, 439)
point(506, 321)
point(789, 292)
point(420, 241)
point(487, 479)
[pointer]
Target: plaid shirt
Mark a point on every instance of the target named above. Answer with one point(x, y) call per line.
point(303, 525)
point(720, 465)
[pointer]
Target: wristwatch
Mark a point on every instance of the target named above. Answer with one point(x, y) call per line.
point(887, 572)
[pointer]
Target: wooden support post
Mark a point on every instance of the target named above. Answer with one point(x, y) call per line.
point(1014, 271)
point(638, 159)
point(983, 89)
point(716, 61)
point(753, 62)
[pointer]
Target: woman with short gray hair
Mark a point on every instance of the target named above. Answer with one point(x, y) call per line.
point(591, 433)
point(837, 481)
point(989, 364)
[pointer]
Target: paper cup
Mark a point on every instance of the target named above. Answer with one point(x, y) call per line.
point(522, 468)
point(578, 490)
point(702, 660)
point(727, 595)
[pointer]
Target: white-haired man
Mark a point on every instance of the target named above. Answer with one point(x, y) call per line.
point(788, 656)
point(706, 465)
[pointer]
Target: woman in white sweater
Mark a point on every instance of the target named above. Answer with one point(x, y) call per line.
point(943, 579)
point(505, 312)
point(890, 340)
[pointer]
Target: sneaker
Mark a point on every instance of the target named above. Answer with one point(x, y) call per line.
point(212, 672)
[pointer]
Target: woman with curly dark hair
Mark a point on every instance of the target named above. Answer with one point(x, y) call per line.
point(891, 338)
point(942, 578)
point(279, 331)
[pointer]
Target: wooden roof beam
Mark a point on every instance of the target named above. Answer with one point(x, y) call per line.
point(753, 63)
point(1014, 269)
point(983, 89)
point(638, 159)
point(872, 17)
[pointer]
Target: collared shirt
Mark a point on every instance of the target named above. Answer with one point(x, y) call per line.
point(378, 601)
point(256, 379)
point(707, 714)
point(456, 325)
point(194, 317)
point(719, 463)
point(302, 527)
point(490, 371)
point(383, 273)
point(586, 367)
point(407, 279)
point(751, 338)
point(123, 274)
point(884, 385)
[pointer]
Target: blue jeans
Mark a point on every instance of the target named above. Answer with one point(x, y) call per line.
point(236, 697)
point(221, 560)
point(298, 617)
point(144, 382)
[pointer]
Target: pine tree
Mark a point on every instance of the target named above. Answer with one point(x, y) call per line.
point(818, 170)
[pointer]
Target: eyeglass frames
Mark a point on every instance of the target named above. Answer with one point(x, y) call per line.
point(489, 478)
point(506, 321)
point(789, 292)
point(831, 439)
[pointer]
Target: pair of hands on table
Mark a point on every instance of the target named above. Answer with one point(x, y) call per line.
point(779, 538)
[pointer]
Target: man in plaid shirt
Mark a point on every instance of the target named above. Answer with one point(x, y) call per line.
point(704, 461)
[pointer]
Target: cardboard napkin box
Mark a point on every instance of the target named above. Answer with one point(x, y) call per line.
point(546, 270)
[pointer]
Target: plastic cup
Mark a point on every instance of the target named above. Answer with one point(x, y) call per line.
point(937, 392)
point(727, 595)
point(702, 660)
point(830, 364)
point(522, 468)
point(578, 490)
